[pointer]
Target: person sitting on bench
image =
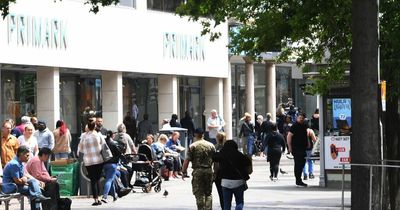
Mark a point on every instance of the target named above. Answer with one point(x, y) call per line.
point(15, 180)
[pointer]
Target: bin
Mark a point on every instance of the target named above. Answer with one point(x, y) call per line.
point(68, 178)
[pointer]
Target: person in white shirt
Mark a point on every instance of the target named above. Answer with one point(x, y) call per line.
point(215, 124)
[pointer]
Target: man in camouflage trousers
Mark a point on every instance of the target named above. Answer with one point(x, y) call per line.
point(200, 153)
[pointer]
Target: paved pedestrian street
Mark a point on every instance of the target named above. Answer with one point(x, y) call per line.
point(262, 194)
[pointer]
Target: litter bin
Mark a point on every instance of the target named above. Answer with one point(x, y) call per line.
point(68, 178)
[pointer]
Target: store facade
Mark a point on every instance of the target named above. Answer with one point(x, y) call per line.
point(123, 60)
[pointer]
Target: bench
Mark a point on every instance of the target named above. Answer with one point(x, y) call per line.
point(6, 198)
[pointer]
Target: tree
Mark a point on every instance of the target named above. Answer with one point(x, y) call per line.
point(306, 30)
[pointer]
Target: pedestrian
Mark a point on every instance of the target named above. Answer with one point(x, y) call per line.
point(247, 134)
point(174, 121)
point(297, 143)
point(9, 144)
point(62, 137)
point(144, 127)
point(201, 153)
point(36, 168)
point(215, 124)
point(308, 170)
point(110, 168)
point(29, 140)
point(45, 138)
point(99, 126)
point(90, 145)
point(276, 146)
point(16, 180)
point(187, 122)
point(221, 139)
point(234, 167)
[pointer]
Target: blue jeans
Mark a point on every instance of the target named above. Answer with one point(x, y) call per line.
point(239, 197)
point(61, 156)
point(32, 190)
point(110, 170)
point(250, 145)
point(309, 166)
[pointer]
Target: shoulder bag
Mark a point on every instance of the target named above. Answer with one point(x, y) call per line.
point(105, 152)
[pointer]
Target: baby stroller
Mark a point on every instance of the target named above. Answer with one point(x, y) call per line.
point(147, 170)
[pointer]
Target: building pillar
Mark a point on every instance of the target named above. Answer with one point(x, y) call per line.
point(141, 5)
point(167, 96)
point(213, 93)
point(249, 85)
point(270, 88)
point(48, 95)
point(228, 104)
point(111, 87)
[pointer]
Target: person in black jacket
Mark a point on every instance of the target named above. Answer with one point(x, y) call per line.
point(234, 167)
point(110, 168)
point(276, 146)
point(187, 122)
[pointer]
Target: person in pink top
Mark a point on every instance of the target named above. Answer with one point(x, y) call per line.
point(35, 167)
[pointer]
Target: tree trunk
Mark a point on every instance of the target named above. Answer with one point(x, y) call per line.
point(365, 142)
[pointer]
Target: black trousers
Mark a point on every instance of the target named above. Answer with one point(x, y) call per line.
point(274, 160)
point(94, 172)
point(219, 190)
point(52, 190)
point(299, 162)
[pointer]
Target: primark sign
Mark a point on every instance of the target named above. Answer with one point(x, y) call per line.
point(183, 47)
point(37, 32)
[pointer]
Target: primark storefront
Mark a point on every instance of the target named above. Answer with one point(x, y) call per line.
point(123, 60)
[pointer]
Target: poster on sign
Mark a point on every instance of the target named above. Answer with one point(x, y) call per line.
point(337, 151)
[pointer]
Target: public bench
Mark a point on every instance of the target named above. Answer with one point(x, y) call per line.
point(6, 198)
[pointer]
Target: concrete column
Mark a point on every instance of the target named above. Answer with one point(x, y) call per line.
point(141, 5)
point(270, 88)
point(167, 96)
point(48, 95)
point(213, 93)
point(321, 134)
point(111, 88)
point(249, 85)
point(228, 105)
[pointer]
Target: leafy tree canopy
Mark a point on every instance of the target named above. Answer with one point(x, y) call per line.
point(303, 31)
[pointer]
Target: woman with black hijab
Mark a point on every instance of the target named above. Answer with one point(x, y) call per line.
point(234, 168)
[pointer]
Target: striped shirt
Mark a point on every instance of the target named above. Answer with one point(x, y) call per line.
point(90, 146)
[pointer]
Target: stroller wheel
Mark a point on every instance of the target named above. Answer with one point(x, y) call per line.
point(147, 188)
point(157, 188)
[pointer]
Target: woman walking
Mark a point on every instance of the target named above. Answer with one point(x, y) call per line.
point(234, 167)
point(276, 146)
point(110, 168)
point(90, 145)
point(62, 138)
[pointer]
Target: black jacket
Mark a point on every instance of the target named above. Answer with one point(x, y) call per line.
point(233, 164)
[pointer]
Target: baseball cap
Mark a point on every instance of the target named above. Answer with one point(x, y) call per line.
point(199, 131)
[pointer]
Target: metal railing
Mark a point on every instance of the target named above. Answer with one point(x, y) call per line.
point(370, 166)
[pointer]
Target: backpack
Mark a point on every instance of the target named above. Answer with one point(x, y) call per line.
point(64, 204)
point(120, 143)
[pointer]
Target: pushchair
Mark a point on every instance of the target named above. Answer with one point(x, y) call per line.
point(147, 170)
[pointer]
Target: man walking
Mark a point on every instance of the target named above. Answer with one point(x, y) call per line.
point(201, 153)
point(215, 124)
point(297, 143)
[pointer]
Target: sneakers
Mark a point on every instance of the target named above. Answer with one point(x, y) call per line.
point(311, 176)
point(275, 179)
point(305, 177)
point(41, 198)
point(104, 200)
point(301, 184)
point(271, 178)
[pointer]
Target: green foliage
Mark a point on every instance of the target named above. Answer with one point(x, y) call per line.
point(95, 4)
point(303, 31)
point(390, 45)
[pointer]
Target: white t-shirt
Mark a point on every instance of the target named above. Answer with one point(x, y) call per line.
point(31, 144)
point(212, 132)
